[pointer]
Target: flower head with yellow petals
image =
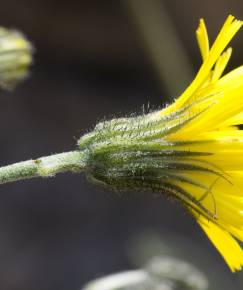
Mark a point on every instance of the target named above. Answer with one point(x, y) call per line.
point(191, 150)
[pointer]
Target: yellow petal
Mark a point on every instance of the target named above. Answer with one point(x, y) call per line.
point(224, 242)
point(202, 39)
point(221, 64)
point(229, 29)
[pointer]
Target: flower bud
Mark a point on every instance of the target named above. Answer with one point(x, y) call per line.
point(15, 57)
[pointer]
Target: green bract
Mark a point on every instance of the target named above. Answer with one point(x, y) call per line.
point(130, 154)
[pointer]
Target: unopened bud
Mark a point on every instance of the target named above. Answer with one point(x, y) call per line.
point(15, 57)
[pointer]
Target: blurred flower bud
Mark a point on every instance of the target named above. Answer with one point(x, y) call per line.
point(15, 57)
point(179, 272)
point(161, 273)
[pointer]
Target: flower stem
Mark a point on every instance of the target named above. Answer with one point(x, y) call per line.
point(43, 167)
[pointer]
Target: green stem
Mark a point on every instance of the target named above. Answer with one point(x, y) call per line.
point(44, 167)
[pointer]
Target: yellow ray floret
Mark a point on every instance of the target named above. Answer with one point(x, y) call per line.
point(229, 29)
point(223, 241)
point(221, 64)
point(202, 39)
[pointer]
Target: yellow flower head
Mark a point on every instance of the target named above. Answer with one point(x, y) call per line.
point(216, 106)
point(191, 150)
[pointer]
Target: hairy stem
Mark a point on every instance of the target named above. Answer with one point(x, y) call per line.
point(44, 167)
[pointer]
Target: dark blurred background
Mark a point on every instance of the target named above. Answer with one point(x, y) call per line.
point(95, 59)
